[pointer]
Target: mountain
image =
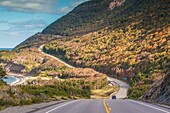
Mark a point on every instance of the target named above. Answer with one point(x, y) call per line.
point(97, 14)
point(87, 17)
point(128, 39)
point(77, 22)
point(100, 14)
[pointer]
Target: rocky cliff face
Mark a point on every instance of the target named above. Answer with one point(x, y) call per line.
point(159, 91)
point(116, 3)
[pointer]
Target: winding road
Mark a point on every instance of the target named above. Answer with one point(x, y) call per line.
point(123, 87)
point(119, 105)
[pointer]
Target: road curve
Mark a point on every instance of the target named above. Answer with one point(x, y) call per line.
point(91, 106)
point(123, 87)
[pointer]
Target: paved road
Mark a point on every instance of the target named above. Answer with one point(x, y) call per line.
point(123, 88)
point(92, 106)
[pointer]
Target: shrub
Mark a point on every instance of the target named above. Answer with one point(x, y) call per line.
point(25, 102)
point(136, 92)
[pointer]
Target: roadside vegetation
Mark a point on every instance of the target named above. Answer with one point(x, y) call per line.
point(64, 83)
point(72, 84)
point(2, 72)
point(47, 91)
point(29, 58)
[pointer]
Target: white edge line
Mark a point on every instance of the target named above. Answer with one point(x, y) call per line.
point(61, 106)
point(149, 106)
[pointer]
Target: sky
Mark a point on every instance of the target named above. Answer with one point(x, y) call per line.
point(20, 19)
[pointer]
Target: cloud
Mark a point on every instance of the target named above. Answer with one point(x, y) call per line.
point(30, 24)
point(37, 6)
point(20, 30)
point(28, 5)
point(3, 21)
point(11, 39)
point(64, 10)
point(77, 2)
point(33, 25)
point(67, 9)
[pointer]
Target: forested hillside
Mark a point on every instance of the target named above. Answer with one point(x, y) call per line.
point(136, 46)
point(94, 15)
point(2, 72)
point(51, 90)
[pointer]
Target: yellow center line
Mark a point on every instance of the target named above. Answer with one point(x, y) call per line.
point(105, 106)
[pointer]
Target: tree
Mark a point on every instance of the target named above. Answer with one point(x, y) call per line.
point(2, 72)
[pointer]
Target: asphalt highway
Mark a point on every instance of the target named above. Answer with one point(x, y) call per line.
point(91, 106)
point(113, 106)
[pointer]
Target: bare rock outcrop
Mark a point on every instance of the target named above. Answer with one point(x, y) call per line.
point(116, 3)
point(159, 91)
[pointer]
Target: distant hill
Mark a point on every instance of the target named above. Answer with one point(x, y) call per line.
point(97, 14)
point(6, 49)
point(94, 15)
point(86, 17)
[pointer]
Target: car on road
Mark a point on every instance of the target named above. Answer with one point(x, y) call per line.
point(113, 97)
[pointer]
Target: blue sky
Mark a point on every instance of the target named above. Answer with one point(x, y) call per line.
point(20, 19)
